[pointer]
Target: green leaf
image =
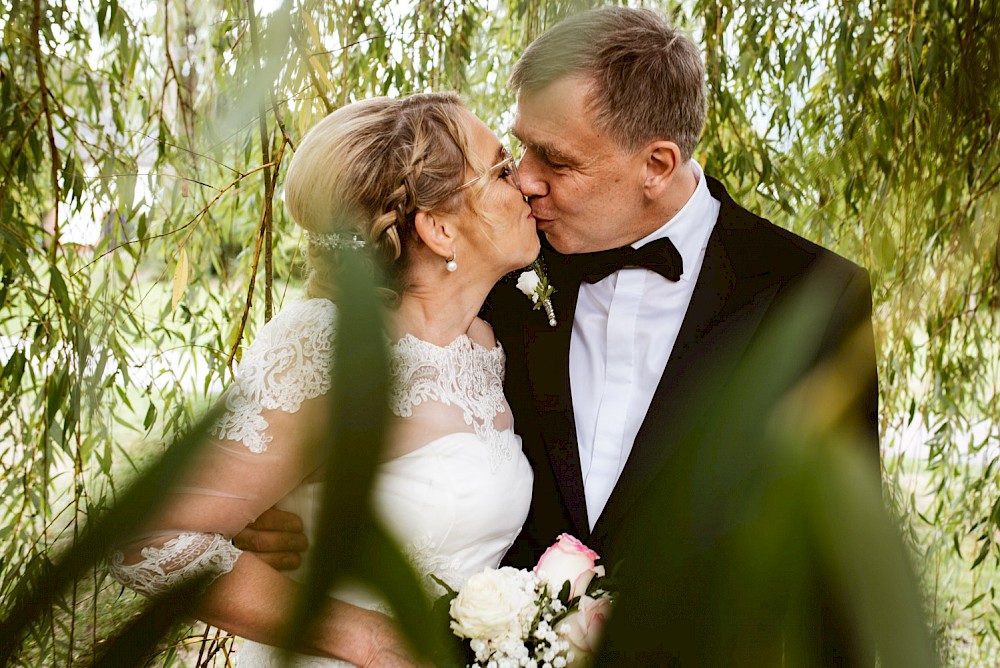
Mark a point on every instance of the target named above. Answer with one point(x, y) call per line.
point(147, 422)
point(58, 286)
point(971, 604)
point(984, 551)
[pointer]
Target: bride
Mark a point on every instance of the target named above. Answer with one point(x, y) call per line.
point(441, 208)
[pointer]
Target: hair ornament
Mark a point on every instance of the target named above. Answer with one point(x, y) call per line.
point(335, 240)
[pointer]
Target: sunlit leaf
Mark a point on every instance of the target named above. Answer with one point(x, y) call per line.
point(181, 272)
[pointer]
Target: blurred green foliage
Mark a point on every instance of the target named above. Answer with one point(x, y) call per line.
point(142, 238)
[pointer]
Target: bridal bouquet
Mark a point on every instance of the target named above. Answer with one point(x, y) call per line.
point(550, 617)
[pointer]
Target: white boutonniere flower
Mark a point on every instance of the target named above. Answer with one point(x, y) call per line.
point(535, 284)
point(528, 283)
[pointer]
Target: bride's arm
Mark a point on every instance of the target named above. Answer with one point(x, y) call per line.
point(189, 536)
point(260, 451)
point(254, 601)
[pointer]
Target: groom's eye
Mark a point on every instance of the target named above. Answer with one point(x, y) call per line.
point(553, 163)
point(556, 166)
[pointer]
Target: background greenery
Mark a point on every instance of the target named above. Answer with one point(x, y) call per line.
point(143, 146)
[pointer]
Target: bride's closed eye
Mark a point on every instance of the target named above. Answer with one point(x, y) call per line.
point(506, 172)
point(506, 169)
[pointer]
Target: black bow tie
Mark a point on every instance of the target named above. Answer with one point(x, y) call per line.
point(660, 256)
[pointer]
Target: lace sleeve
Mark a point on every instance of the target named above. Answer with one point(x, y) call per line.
point(287, 364)
point(181, 559)
point(256, 456)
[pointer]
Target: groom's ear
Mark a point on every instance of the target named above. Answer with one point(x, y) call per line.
point(436, 231)
point(662, 160)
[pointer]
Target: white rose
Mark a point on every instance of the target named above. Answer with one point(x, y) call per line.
point(527, 283)
point(494, 605)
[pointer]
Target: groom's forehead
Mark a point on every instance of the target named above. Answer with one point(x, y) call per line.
point(547, 129)
point(543, 149)
point(562, 105)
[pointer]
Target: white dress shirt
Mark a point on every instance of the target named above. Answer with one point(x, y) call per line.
point(624, 329)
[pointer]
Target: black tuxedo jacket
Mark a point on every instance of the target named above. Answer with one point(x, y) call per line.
point(751, 269)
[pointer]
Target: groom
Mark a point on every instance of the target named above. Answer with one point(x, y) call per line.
point(611, 104)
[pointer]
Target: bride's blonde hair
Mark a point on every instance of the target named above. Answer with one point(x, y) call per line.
point(367, 168)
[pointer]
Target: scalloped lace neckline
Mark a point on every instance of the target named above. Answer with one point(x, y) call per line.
point(461, 342)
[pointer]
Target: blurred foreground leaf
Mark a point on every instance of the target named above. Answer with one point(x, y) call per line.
point(764, 540)
point(43, 585)
point(350, 541)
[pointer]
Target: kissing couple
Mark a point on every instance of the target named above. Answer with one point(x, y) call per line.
point(507, 430)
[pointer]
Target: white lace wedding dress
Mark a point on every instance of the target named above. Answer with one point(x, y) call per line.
point(455, 492)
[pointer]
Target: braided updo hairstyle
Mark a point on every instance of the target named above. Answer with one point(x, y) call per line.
point(367, 168)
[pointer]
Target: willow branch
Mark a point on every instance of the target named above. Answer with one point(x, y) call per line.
point(248, 302)
point(198, 216)
point(265, 149)
point(36, 30)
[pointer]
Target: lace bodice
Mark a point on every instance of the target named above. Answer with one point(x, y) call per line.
point(464, 375)
point(455, 492)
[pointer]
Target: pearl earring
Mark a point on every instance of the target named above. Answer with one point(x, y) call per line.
point(451, 265)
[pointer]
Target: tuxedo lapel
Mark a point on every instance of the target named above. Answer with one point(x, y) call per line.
point(547, 352)
point(732, 294)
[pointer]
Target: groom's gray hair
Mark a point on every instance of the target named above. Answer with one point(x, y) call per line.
point(648, 76)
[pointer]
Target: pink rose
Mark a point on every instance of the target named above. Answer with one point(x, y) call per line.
point(583, 628)
point(568, 560)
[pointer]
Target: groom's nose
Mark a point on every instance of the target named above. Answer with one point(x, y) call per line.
point(532, 174)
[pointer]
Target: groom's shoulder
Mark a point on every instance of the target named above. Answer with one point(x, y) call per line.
point(806, 253)
point(773, 244)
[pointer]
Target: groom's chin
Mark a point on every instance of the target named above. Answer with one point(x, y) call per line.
point(557, 242)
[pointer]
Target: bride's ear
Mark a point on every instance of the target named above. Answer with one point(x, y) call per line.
point(437, 232)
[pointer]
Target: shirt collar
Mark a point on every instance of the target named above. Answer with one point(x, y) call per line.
point(690, 227)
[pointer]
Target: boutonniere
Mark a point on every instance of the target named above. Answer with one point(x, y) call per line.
point(535, 284)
